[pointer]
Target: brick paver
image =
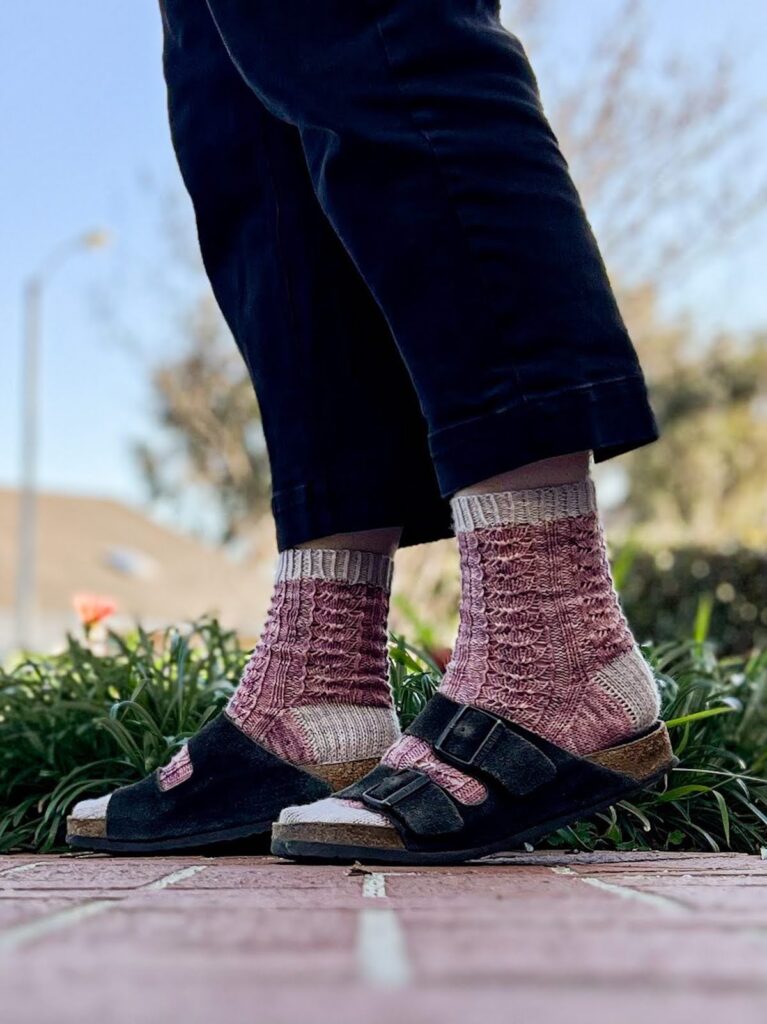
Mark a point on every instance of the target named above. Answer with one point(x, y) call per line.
point(626, 938)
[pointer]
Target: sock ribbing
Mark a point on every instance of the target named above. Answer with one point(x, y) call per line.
point(517, 508)
point(341, 566)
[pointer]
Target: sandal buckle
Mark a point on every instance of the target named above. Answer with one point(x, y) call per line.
point(403, 791)
point(439, 745)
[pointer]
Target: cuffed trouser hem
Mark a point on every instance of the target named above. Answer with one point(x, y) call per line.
point(607, 418)
point(315, 510)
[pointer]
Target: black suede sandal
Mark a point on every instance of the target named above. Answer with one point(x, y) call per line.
point(236, 790)
point(533, 787)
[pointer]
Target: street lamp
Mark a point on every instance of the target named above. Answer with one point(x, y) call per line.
point(27, 529)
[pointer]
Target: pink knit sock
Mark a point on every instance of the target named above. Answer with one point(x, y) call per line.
point(316, 690)
point(542, 639)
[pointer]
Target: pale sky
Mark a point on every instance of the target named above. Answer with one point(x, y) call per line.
point(85, 145)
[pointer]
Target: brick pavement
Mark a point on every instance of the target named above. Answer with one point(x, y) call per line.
point(622, 938)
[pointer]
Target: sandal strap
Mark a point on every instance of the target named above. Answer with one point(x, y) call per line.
point(478, 743)
point(235, 781)
point(410, 797)
point(481, 744)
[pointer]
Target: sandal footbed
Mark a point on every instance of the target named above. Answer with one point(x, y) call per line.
point(202, 840)
point(339, 776)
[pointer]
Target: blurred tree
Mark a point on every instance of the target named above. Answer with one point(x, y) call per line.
point(213, 442)
point(706, 482)
point(668, 157)
point(668, 160)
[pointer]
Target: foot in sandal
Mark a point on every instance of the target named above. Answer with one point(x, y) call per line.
point(547, 712)
point(531, 787)
point(312, 714)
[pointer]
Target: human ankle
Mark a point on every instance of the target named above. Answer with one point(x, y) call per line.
point(563, 469)
point(381, 542)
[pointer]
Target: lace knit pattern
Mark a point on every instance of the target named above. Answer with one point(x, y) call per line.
point(542, 638)
point(315, 689)
point(176, 771)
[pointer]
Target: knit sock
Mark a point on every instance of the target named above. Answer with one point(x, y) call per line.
point(315, 690)
point(542, 640)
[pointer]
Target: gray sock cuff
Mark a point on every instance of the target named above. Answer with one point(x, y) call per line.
point(513, 508)
point(343, 566)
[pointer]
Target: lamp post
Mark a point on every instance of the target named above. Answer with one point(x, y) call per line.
point(27, 529)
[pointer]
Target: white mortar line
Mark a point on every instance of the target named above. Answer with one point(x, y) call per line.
point(381, 950)
point(173, 877)
point(22, 934)
point(649, 899)
point(20, 868)
point(374, 885)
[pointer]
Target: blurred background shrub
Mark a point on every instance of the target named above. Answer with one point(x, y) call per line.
point(89, 719)
point(678, 591)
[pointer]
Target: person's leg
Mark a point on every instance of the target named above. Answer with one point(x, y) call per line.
point(563, 469)
point(542, 639)
point(315, 691)
point(490, 276)
point(487, 271)
point(323, 365)
point(431, 156)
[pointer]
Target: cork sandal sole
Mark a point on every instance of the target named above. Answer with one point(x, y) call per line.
point(91, 833)
point(643, 763)
point(78, 837)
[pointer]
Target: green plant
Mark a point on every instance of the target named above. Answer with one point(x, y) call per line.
point(414, 676)
point(80, 723)
point(716, 798)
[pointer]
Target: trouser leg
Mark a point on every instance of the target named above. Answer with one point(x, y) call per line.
point(345, 434)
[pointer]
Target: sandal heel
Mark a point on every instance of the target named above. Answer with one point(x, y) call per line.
point(641, 758)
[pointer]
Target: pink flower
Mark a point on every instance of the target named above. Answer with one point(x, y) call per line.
point(441, 656)
point(92, 608)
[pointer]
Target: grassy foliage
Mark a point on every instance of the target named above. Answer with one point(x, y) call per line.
point(80, 723)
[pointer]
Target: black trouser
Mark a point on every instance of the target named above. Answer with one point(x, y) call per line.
point(393, 236)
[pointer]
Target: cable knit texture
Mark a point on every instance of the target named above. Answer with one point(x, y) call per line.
point(542, 639)
point(315, 689)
